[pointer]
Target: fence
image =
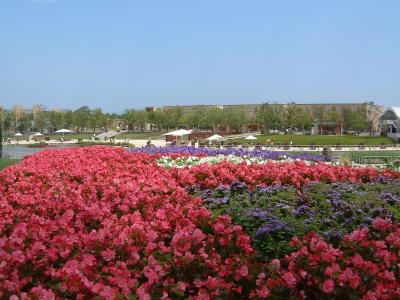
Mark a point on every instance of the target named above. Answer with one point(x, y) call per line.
point(374, 159)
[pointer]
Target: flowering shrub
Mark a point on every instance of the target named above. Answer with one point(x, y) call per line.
point(273, 215)
point(80, 223)
point(365, 266)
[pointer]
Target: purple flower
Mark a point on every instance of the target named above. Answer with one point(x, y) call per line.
point(390, 198)
point(265, 154)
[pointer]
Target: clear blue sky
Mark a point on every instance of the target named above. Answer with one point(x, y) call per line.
point(118, 54)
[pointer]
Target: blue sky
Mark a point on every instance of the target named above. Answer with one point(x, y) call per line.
point(118, 54)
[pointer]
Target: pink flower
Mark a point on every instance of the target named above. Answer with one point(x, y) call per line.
point(290, 279)
point(108, 254)
point(328, 286)
point(244, 271)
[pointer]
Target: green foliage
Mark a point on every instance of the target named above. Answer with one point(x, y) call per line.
point(270, 116)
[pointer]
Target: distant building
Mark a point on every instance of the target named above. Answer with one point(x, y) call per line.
point(390, 122)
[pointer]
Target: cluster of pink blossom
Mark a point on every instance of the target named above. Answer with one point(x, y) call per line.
point(297, 173)
point(365, 267)
point(101, 222)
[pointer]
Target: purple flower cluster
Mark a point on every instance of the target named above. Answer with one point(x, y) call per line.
point(390, 198)
point(271, 223)
point(265, 154)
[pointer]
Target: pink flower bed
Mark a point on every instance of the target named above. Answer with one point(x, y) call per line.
point(297, 174)
point(365, 267)
point(98, 221)
point(87, 222)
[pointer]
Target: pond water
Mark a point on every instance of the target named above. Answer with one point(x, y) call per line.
point(20, 151)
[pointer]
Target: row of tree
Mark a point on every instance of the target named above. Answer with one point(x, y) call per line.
point(270, 116)
point(78, 120)
point(199, 117)
point(277, 116)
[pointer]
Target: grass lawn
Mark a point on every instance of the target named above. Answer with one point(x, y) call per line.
point(7, 162)
point(139, 135)
point(317, 140)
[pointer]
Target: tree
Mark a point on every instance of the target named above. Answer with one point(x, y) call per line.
point(24, 123)
point(7, 121)
point(215, 118)
point(197, 118)
point(333, 115)
point(96, 119)
point(303, 119)
point(234, 118)
point(265, 116)
point(141, 119)
point(174, 117)
point(68, 119)
point(82, 117)
point(289, 114)
point(129, 117)
point(318, 113)
point(38, 117)
point(55, 119)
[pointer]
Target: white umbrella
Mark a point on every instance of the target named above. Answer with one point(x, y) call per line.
point(38, 134)
point(63, 131)
point(250, 137)
point(180, 132)
point(214, 137)
point(18, 134)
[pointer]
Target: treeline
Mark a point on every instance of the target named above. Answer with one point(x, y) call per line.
point(273, 116)
point(199, 117)
point(269, 116)
point(79, 120)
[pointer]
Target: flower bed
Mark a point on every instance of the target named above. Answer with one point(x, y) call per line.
point(77, 223)
point(103, 223)
point(364, 266)
point(273, 215)
point(297, 173)
point(240, 152)
point(190, 161)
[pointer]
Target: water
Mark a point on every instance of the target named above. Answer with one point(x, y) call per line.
point(20, 151)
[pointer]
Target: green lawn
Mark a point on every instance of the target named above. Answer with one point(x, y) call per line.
point(317, 140)
point(7, 162)
point(139, 135)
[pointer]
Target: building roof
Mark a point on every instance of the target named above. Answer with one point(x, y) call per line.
point(396, 111)
point(391, 113)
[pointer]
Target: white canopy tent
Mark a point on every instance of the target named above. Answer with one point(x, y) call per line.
point(215, 137)
point(250, 137)
point(180, 132)
point(38, 134)
point(18, 134)
point(63, 131)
